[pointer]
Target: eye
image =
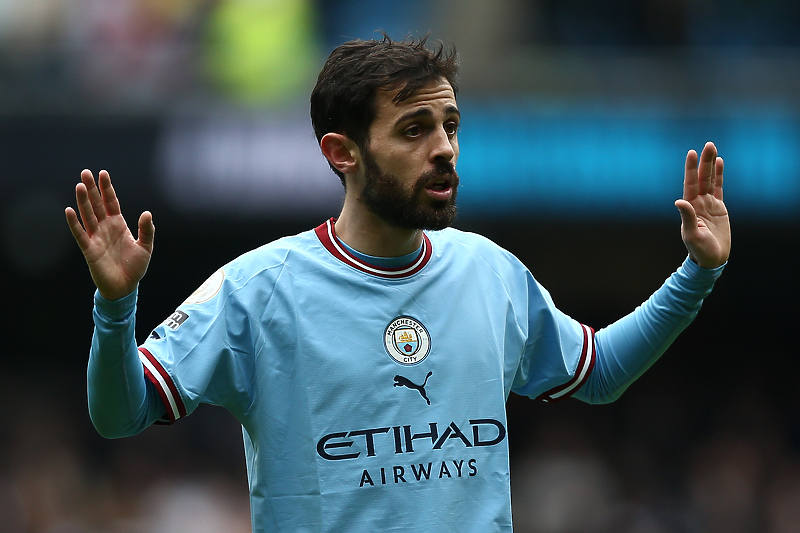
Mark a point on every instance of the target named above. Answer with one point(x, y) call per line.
point(451, 128)
point(413, 131)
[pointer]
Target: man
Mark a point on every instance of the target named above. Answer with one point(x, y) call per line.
point(369, 360)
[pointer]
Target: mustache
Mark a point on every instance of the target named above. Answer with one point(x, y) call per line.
point(443, 169)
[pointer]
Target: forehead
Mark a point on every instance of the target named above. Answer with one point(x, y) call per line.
point(437, 96)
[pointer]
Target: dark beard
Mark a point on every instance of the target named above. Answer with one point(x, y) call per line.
point(385, 196)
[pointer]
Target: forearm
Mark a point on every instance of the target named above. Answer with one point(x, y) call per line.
point(121, 401)
point(629, 346)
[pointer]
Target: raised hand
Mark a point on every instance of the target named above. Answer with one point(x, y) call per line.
point(705, 227)
point(116, 260)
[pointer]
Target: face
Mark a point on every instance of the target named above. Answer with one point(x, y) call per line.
point(409, 164)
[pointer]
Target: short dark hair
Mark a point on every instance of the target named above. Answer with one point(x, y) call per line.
point(343, 100)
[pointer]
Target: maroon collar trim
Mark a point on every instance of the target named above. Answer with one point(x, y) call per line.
point(327, 236)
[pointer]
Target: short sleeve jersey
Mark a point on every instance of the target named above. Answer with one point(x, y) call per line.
point(371, 399)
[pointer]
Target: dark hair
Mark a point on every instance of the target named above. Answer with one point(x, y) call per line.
point(343, 100)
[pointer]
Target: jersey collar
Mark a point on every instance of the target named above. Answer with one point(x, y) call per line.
point(326, 233)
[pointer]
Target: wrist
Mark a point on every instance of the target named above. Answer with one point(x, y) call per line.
point(117, 309)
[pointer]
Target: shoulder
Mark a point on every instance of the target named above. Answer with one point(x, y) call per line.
point(267, 262)
point(254, 275)
point(294, 248)
point(456, 237)
point(489, 266)
point(451, 241)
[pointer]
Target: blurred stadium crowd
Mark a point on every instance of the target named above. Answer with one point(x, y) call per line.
point(708, 441)
point(60, 54)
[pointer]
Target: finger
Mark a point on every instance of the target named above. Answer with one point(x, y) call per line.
point(147, 230)
point(720, 166)
point(85, 207)
point(690, 185)
point(95, 198)
point(77, 230)
point(706, 169)
point(110, 200)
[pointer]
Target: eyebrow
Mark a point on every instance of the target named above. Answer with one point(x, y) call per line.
point(449, 110)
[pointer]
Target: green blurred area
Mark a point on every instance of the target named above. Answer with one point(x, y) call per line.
point(262, 52)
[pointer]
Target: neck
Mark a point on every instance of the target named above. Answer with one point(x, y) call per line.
point(371, 235)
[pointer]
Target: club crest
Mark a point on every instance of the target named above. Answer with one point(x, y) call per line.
point(406, 340)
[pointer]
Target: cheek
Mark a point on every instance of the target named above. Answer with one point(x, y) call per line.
point(404, 165)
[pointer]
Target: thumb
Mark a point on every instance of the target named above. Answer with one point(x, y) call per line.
point(688, 215)
point(146, 230)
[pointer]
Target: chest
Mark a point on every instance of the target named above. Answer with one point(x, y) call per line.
point(388, 347)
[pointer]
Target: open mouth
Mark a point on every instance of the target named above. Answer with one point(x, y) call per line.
point(439, 185)
point(440, 189)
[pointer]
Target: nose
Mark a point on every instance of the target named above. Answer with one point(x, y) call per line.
point(444, 147)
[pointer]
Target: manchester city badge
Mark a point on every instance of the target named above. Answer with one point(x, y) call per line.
point(406, 340)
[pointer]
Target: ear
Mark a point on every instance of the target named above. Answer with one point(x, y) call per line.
point(341, 151)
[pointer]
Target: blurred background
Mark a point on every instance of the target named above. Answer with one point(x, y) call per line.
point(577, 116)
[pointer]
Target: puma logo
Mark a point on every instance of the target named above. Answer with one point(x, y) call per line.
point(400, 381)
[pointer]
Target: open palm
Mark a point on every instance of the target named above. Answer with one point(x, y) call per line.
point(705, 226)
point(116, 260)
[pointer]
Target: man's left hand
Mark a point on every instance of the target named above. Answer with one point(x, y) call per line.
point(705, 227)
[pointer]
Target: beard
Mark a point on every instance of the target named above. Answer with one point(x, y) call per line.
point(385, 196)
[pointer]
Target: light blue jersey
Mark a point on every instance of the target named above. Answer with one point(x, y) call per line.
point(373, 398)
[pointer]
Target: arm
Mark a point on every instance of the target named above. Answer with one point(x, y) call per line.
point(118, 393)
point(628, 347)
point(121, 401)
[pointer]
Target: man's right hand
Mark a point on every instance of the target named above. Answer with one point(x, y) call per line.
point(116, 260)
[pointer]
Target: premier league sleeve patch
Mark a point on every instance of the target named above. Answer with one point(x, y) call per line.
point(406, 340)
point(207, 290)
